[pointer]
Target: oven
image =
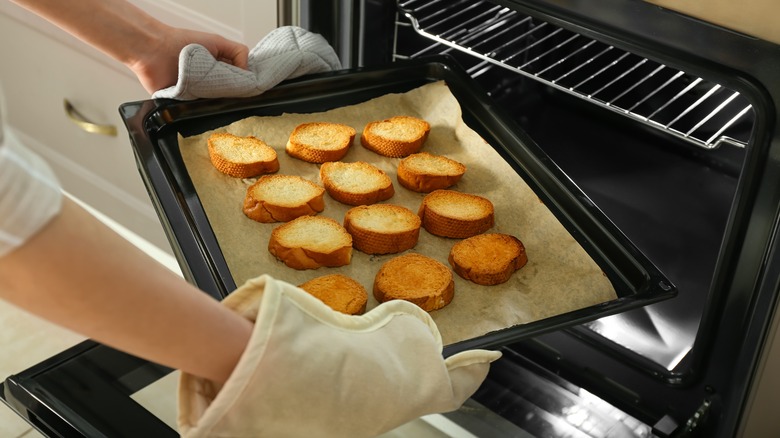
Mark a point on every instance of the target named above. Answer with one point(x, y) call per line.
point(665, 122)
point(668, 122)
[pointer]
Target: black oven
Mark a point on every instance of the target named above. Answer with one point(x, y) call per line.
point(667, 123)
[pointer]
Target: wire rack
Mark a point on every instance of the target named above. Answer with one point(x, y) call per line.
point(686, 106)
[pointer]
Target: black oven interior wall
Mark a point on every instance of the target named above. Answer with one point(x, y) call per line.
point(659, 150)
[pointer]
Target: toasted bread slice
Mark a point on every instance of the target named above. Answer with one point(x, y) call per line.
point(382, 228)
point(358, 183)
point(395, 137)
point(320, 142)
point(424, 172)
point(415, 278)
point(448, 213)
point(241, 157)
point(339, 292)
point(488, 259)
point(310, 242)
point(282, 198)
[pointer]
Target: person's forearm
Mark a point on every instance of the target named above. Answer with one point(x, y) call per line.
point(81, 275)
point(116, 27)
point(148, 47)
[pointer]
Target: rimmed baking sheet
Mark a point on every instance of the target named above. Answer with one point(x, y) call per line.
point(580, 266)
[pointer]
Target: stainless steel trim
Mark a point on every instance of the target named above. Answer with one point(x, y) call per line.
point(288, 13)
point(688, 107)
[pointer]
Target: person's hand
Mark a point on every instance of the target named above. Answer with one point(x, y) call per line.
point(158, 67)
point(311, 371)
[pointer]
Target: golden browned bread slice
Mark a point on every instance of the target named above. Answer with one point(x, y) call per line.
point(357, 183)
point(395, 137)
point(310, 242)
point(382, 228)
point(320, 142)
point(339, 292)
point(415, 278)
point(241, 157)
point(282, 198)
point(424, 172)
point(488, 259)
point(448, 213)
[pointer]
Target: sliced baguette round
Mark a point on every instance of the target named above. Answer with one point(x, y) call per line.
point(357, 183)
point(241, 157)
point(423, 172)
point(282, 198)
point(339, 292)
point(382, 228)
point(310, 242)
point(488, 259)
point(395, 137)
point(415, 278)
point(458, 215)
point(320, 142)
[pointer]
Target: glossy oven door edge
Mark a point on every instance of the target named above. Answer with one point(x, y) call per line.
point(85, 391)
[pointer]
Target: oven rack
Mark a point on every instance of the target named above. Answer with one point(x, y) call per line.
point(688, 107)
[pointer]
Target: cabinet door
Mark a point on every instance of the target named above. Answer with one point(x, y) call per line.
point(247, 21)
point(49, 66)
point(99, 170)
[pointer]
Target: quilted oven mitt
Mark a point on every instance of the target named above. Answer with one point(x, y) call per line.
point(311, 371)
point(285, 53)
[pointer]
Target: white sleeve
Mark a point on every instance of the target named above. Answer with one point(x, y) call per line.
point(30, 195)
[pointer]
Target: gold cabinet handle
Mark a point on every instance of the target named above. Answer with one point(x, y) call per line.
point(85, 124)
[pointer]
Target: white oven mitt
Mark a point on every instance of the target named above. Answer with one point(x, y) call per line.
point(285, 53)
point(310, 371)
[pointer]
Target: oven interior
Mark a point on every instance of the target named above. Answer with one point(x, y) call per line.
point(659, 150)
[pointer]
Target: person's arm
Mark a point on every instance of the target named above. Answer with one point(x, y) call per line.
point(124, 32)
point(78, 273)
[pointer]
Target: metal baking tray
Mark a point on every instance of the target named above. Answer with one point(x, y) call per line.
point(154, 126)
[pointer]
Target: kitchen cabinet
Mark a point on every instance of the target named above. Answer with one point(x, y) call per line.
point(44, 66)
point(247, 21)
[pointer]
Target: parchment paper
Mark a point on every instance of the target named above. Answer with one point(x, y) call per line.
point(559, 277)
